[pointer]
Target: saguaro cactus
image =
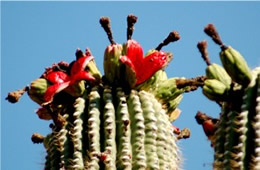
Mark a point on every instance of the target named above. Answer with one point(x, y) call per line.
point(235, 135)
point(119, 121)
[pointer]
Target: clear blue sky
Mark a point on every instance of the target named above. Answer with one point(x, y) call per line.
point(36, 34)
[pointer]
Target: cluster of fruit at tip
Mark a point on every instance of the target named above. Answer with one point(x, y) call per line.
point(235, 134)
point(121, 120)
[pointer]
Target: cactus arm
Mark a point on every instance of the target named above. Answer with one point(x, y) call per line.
point(124, 153)
point(238, 131)
point(150, 131)
point(76, 134)
point(109, 128)
point(94, 128)
point(138, 133)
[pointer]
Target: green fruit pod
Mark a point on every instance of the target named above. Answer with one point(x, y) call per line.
point(236, 66)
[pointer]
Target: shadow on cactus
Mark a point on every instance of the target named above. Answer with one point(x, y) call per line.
point(235, 134)
point(121, 120)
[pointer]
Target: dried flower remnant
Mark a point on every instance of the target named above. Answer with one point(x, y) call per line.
point(14, 96)
point(37, 138)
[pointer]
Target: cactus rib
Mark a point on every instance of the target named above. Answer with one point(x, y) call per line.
point(161, 143)
point(94, 128)
point(138, 131)
point(76, 133)
point(109, 128)
point(150, 131)
point(124, 153)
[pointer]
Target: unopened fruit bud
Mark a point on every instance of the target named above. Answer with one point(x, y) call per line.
point(112, 63)
point(37, 90)
point(236, 66)
point(215, 90)
point(215, 71)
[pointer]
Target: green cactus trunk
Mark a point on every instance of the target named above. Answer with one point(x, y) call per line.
point(110, 129)
point(237, 138)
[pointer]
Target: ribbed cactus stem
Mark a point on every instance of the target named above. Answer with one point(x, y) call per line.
point(76, 134)
point(94, 128)
point(150, 131)
point(237, 140)
point(220, 140)
point(174, 153)
point(48, 150)
point(64, 143)
point(257, 126)
point(110, 129)
point(161, 143)
point(138, 131)
point(54, 151)
point(249, 105)
point(124, 150)
point(228, 144)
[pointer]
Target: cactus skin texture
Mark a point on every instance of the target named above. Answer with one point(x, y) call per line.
point(237, 136)
point(144, 138)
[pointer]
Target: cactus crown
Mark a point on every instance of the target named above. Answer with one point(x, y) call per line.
point(121, 120)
